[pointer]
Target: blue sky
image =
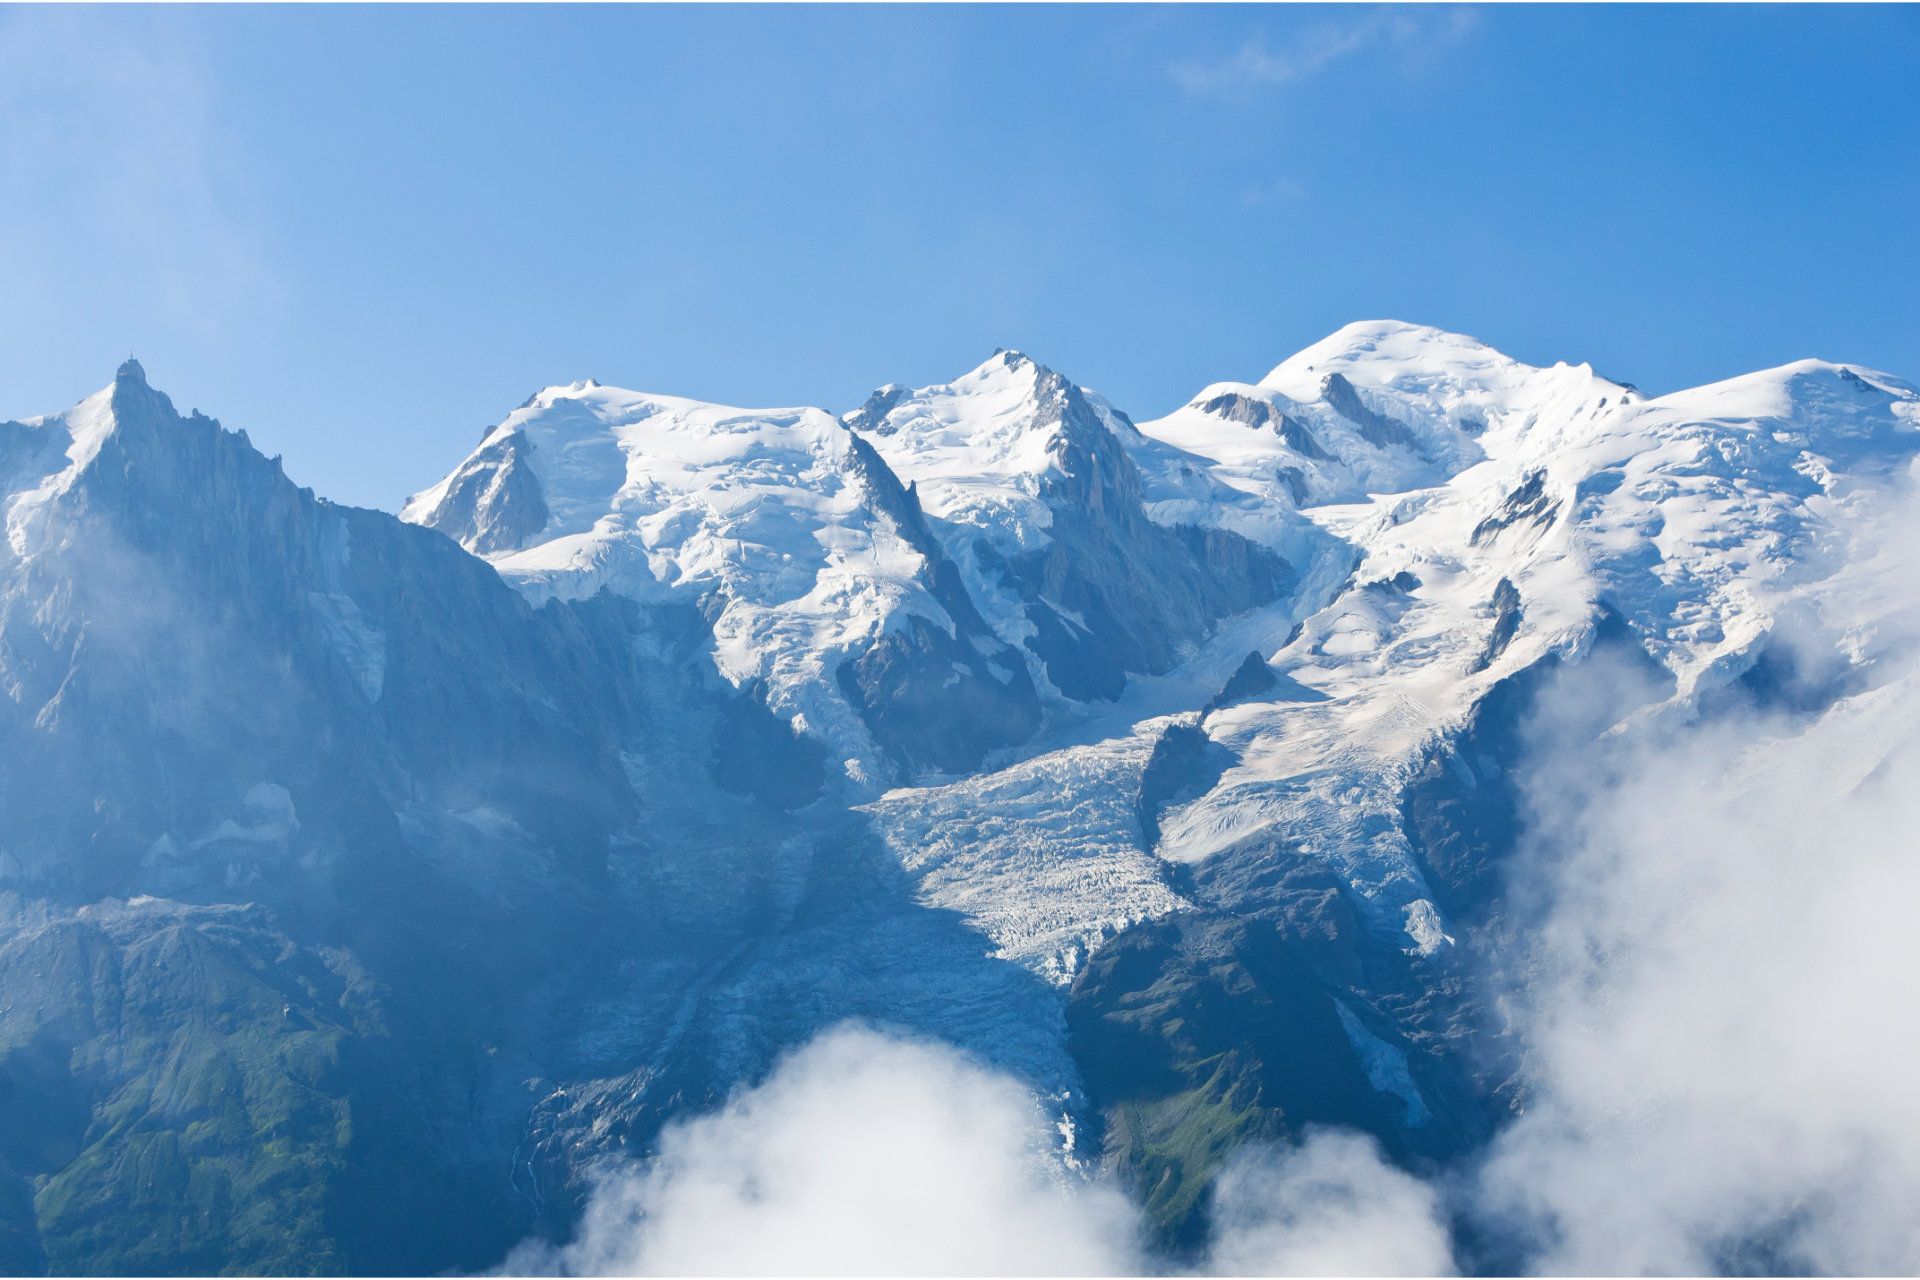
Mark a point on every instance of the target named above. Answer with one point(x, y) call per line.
point(363, 234)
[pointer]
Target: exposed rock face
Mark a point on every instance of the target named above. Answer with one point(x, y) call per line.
point(1113, 592)
point(1506, 623)
point(1528, 505)
point(1037, 482)
point(1250, 679)
point(1245, 410)
point(1375, 427)
point(934, 696)
point(493, 502)
point(1185, 764)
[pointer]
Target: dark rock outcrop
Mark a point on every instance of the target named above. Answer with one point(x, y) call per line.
point(1114, 592)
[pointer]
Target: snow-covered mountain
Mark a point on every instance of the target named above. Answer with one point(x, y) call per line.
point(778, 525)
point(1037, 485)
point(354, 876)
point(897, 584)
point(1698, 520)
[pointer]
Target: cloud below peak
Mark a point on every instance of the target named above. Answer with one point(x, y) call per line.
point(862, 1154)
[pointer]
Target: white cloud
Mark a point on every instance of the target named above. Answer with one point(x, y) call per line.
point(1331, 1207)
point(1720, 1026)
point(1273, 191)
point(861, 1155)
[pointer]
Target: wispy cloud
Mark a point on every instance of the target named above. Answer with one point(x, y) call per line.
point(1273, 192)
point(128, 189)
point(1264, 60)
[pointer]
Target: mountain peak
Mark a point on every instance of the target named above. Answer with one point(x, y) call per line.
point(997, 367)
point(1378, 351)
point(1388, 329)
point(131, 395)
point(1007, 383)
point(1833, 393)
